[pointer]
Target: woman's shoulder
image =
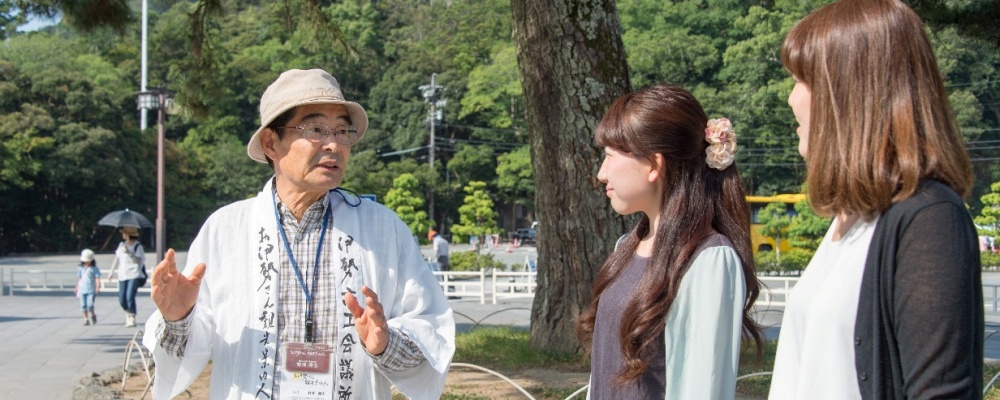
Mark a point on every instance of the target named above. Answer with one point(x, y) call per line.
point(715, 249)
point(715, 240)
point(932, 195)
point(928, 193)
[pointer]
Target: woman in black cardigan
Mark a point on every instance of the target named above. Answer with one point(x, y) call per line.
point(885, 159)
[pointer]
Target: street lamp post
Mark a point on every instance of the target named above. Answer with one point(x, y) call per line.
point(157, 99)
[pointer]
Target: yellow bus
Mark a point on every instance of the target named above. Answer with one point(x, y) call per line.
point(757, 203)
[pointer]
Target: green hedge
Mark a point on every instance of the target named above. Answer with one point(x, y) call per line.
point(990, 260)
point(472, 261)
point(793, 261)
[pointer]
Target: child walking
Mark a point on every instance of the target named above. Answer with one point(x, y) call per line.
point(88, 285)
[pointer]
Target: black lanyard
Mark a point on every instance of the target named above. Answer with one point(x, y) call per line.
point(295, 266)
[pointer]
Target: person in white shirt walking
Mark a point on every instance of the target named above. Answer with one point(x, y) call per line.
point(129, 260)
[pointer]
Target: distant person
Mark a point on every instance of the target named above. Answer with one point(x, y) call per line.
point(441, 252)
point(129, 260)
point(88, 285)
point(670, 304)
point(305, 291)
point(891, 304)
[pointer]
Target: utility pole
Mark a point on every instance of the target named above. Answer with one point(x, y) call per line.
point(432, 95)
point(431, 144)
point(144, 66)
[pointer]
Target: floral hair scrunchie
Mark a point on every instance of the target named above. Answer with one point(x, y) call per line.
point(721, 143)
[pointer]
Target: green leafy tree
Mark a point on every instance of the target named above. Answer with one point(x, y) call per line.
point(973, 18)
point(514, 177)
point(494, 92)
point(775, 221)
point(477, 216)
point(23, 144)
point(367, 174)
point(473, 163)
point(67, 97)
point(807, 229)
point(404, 199)
point(87, 15)
point(989, 216)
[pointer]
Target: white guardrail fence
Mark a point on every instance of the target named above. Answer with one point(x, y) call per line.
point(14, 280)
point(479, 284)
point(495, 285)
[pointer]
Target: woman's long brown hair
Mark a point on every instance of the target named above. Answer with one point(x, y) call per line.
point(880, 120)
point(697, 201)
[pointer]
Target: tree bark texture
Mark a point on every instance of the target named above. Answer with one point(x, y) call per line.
point(572, 65)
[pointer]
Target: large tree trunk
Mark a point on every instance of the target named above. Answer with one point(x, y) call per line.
point(573, 66)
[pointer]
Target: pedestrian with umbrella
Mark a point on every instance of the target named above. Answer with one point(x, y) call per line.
point(130, 258)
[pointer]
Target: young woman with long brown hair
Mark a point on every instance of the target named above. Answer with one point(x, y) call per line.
point(670, 303)
point(891, 305)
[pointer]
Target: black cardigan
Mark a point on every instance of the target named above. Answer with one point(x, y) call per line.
point(919, 327)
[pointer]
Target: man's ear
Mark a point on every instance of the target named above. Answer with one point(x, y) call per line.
point(268, 142)
point(657, 168)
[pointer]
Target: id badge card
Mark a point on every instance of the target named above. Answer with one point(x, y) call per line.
point(306, 372)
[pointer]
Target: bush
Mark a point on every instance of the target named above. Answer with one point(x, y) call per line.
point(793, 261)
point(796, 259)
point(990, 260)
point(766, 261)
point(472, 261)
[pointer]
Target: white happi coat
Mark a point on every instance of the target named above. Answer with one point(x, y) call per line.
point(226, 323)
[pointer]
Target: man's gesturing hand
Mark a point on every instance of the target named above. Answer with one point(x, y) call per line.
point(174, 293)
point(370, 321)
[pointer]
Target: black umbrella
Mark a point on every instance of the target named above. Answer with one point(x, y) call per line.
point(125, 217)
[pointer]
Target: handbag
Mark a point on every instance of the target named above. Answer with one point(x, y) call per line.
point(141, 280)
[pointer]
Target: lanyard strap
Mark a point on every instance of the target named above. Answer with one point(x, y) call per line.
point(295, 266)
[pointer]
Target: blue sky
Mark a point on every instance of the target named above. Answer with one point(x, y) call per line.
point(36, 23)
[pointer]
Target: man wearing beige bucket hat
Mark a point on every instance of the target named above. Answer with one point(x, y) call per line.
point(305, 291)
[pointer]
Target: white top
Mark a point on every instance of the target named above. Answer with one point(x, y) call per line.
point(128, 260)
point(440, 246)
point(815, 358)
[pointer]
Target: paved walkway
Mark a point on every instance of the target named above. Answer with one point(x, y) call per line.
point(46, 349)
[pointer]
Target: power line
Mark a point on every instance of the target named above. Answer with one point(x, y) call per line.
point(511, 130)
point(970, 83)
point(404, 151)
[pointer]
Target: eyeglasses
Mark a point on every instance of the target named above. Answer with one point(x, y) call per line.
point(317, 133)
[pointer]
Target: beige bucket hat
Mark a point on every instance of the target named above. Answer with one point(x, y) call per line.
point(298, 87)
